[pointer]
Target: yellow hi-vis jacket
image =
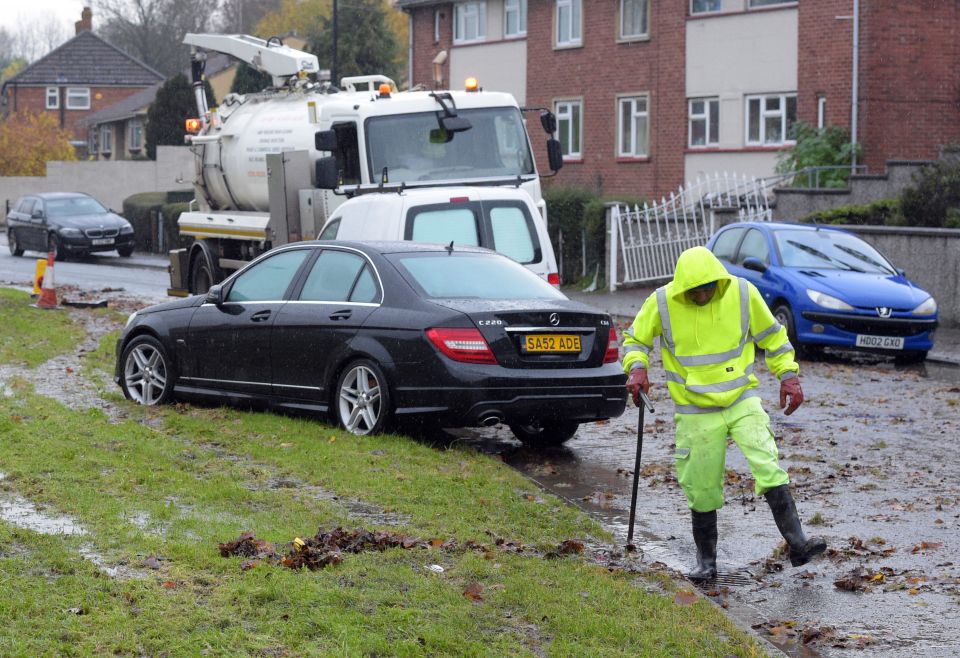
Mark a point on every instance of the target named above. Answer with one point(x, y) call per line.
point(708, 351)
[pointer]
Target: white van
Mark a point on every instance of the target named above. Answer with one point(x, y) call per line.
point(499, 218)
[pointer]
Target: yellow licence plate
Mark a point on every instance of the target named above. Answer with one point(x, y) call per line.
point(551, 343)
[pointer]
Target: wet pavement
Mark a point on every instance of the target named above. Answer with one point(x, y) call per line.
point(873, 461)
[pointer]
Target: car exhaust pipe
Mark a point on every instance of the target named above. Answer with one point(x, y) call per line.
point(490, 419)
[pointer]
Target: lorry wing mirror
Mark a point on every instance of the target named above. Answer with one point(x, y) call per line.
point(549, 122)
point(214, 295)
point(554, 154)
point(326, 140)
point(328, 175)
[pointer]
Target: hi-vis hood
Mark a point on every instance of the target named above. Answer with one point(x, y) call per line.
point(695, 267)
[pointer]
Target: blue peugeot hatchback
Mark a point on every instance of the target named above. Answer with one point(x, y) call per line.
point(830, 288)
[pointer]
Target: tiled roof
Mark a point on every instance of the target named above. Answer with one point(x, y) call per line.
point(130, 106)
point(87, 60)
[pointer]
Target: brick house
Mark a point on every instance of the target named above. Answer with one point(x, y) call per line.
point(652, 94)
point(81, 77)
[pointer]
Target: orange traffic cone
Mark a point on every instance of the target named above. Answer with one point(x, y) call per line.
point(48, 293)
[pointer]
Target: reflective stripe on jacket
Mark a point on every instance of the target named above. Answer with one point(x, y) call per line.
point(708, 351)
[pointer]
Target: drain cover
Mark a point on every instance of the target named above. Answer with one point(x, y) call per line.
point(727, 578)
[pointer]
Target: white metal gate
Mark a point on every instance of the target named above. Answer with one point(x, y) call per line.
point(645, 242)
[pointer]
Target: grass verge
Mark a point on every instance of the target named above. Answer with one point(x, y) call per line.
point(29, 336)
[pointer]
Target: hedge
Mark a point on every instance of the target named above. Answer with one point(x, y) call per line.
point(144, 210)
point(878, 213)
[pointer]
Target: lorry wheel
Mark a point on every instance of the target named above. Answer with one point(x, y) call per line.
point(203, 274)
point(14, 244)
point(544, 433)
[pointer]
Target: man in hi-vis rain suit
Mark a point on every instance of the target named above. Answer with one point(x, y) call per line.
point(708, 322)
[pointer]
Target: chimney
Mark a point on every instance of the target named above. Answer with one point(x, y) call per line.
point(85, 24)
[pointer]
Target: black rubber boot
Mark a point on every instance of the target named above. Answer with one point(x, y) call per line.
point(705, 537)
point(802, 549)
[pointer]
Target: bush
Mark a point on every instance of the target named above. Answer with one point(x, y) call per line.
point(580, 215)
point(878, 213)
point(143, 212)
point(934, 197)
point(824, 147)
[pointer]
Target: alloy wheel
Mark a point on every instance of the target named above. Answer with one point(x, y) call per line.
point(360, 401)
point(145, 374)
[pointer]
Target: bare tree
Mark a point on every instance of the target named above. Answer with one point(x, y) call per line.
point(242, 16)
point(152, 30)
point(31, 39)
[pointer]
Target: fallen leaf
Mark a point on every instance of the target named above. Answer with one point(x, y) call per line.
point(169, 584)
point(151, 562)
point(687, 597)
point(926, 546)
point(246, 565)
point(473, 592)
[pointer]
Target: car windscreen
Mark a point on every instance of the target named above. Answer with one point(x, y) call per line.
point(472, 276)
point(830, 250)
point(412, 147)
point(74, 206)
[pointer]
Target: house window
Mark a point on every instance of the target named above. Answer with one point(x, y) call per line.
point(106, 139)
point(767, 3)
point(821, 112)
point(634, 18)
point(569, 124)
point(135, 136)
point(53, 98)
point(92, 141)
point(704, 122)
point(569, 18)
point(770, 119)
point(705, 6)
point(469, 22)
point(78, 98)
point(515, 18)
point(634, 132)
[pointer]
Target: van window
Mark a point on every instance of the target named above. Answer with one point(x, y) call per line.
point(511, 234)
point(329, 232)
point(444, 225)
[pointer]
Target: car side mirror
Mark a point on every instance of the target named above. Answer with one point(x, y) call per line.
point(328, 175)
point(754, 264)
point(37, 214)
point(214, 295)
point(901, 271)
point(554, 154)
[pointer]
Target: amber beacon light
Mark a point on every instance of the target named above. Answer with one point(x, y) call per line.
point(471, 84)
point(192, 126)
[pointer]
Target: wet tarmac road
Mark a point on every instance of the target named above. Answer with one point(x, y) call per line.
point(874, 460)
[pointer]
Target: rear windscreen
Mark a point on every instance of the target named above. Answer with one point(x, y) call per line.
point(472, 275)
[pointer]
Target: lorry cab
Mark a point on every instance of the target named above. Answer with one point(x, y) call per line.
point(499, 218)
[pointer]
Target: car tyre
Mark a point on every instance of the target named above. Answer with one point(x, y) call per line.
point(203, 274)
point(362, 398)
point(784, 315)
point(15, 248)
point(147, 374)
point(910, 357)
point(53, 244)
point(544, 433)
point(125, 252)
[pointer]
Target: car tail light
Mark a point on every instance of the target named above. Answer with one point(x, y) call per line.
point(613, 348)
point(553, 279)
point(466, 345)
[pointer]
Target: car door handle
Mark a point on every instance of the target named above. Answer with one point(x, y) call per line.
point(260, 316)
point(341, 315)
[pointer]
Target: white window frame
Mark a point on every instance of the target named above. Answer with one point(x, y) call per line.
point(709, 10)
point(574, 36)
point(74, 93)
point(631, 103)
point(519, 8)
point(766, 114)
point(760, 4)
point(821, 112)
point(563, 109)
point(710, 117)
point(133, 126)
point(645, 8)
point(53, 98)
point(463, 14)
point(106, 139)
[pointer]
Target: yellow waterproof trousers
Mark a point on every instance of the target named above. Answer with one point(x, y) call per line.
point(702, 451)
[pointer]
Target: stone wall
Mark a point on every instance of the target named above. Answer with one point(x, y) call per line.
point(109, 182)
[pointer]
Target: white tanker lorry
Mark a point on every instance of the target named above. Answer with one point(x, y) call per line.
point(272, 166)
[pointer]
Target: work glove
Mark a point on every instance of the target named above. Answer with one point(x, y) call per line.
point(638, 381)
point(790, 388)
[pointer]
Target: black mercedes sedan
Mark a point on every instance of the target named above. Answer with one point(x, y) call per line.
point(376, 333)
point(66, 223)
